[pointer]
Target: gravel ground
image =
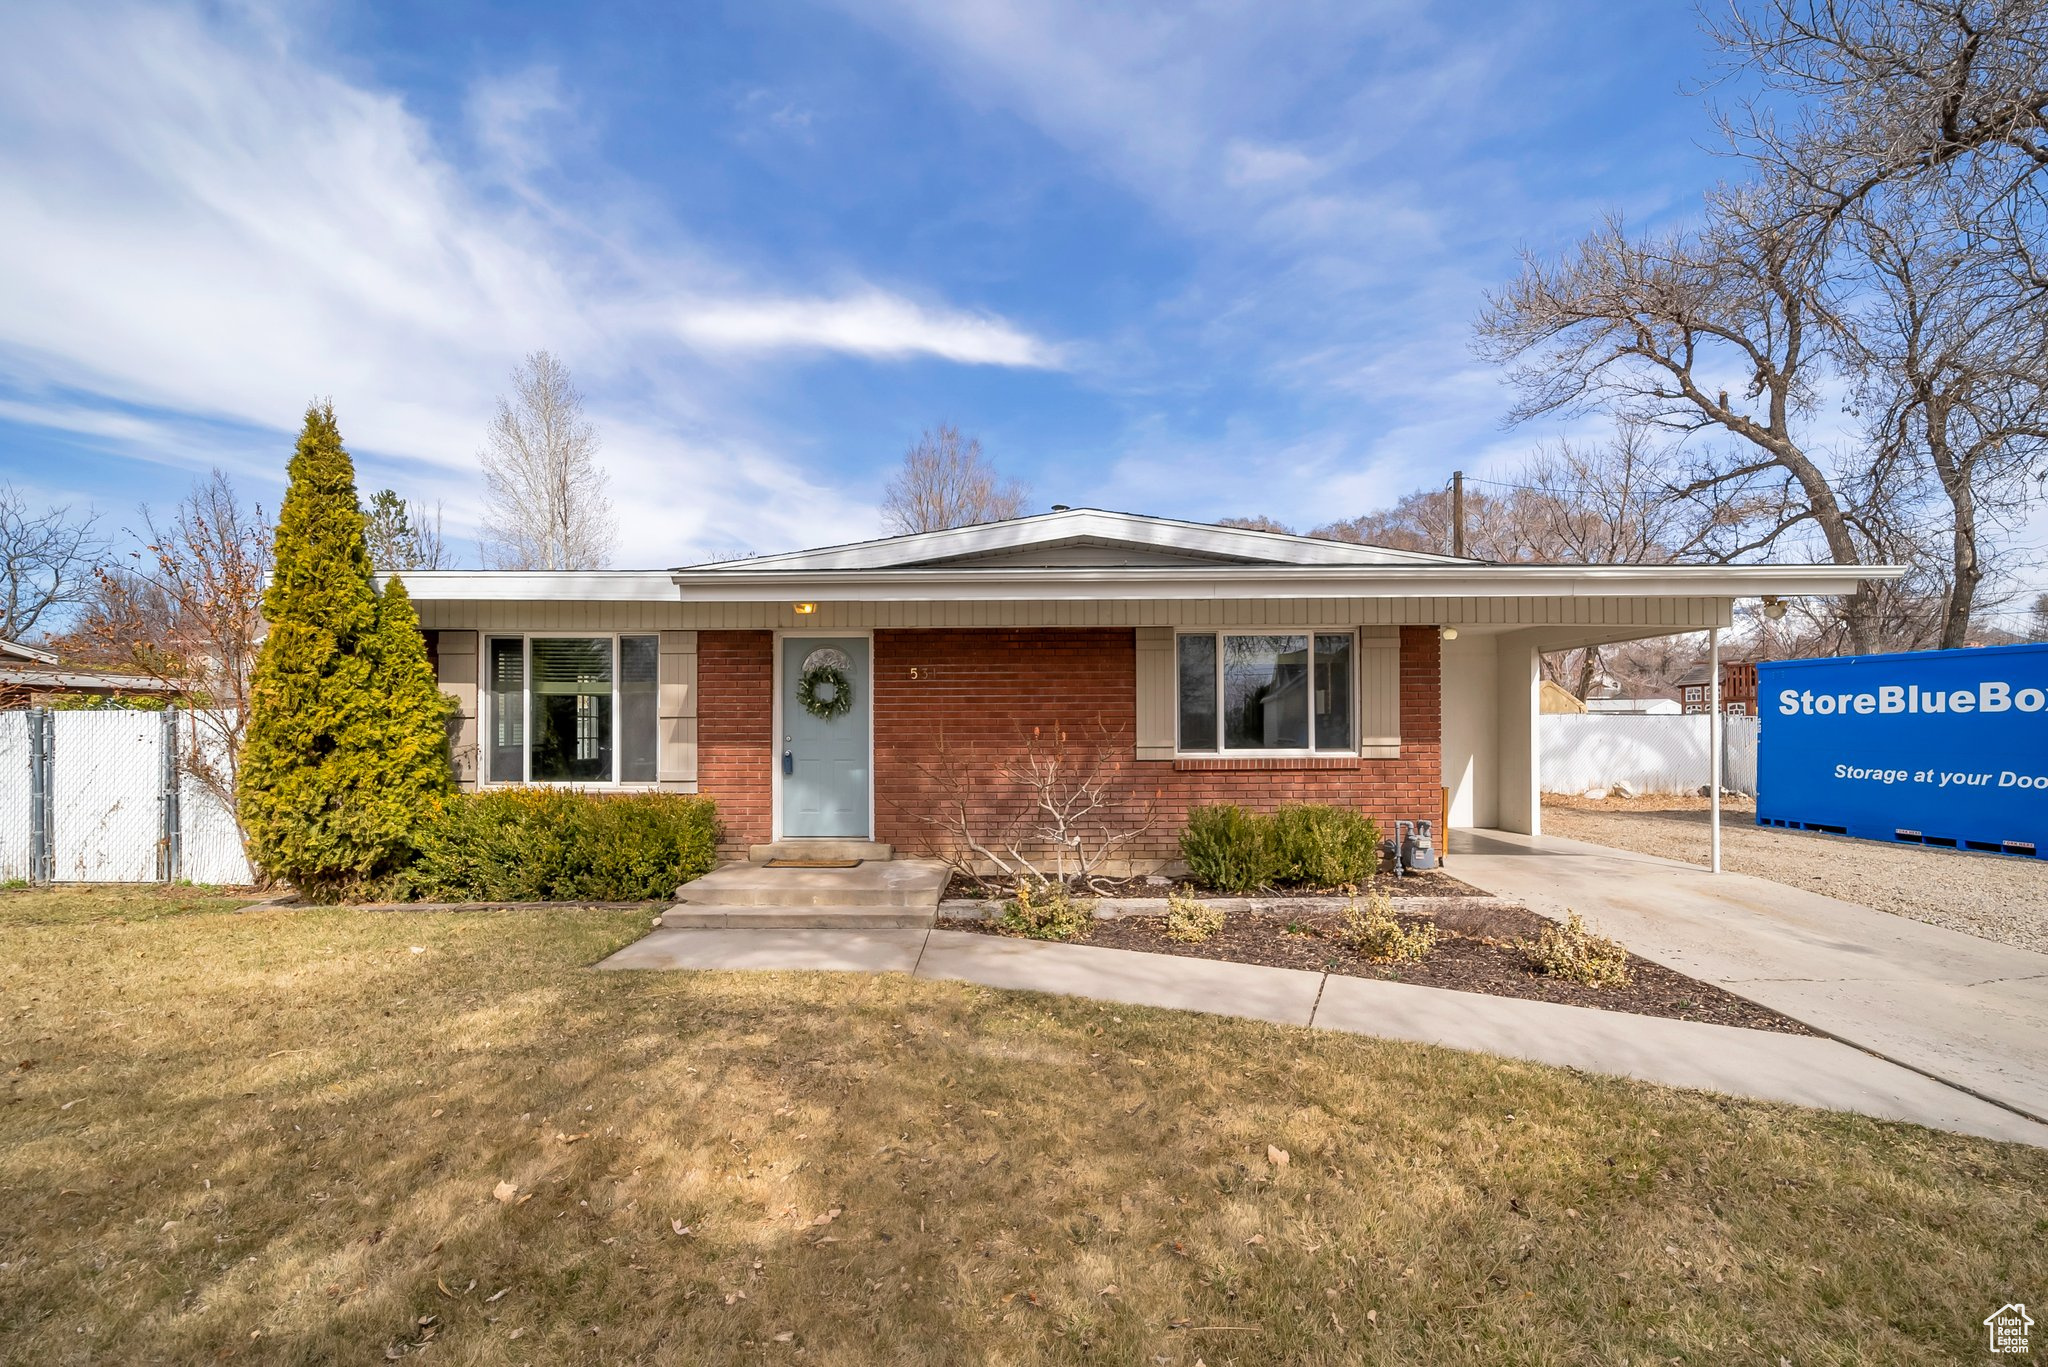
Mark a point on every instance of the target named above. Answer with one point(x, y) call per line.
point(1997, 897)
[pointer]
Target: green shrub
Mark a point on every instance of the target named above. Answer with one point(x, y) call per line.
point(1228, 848)
point(1188, 920)
point(1576, 954)
point(1374, 931)
point(1324, 846)
point(1046, 911)
point(555, 845)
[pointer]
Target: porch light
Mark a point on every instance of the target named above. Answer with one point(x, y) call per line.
point(1450, 633)
point(1773, 609)
point(805, 609)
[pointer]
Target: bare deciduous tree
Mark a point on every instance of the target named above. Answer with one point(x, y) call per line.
point(46, 562)
point(404, 535)
point(1259, 523)
point(1035, 813)
point(1952, 366)
point(1905, 96)
point(945, 481)
point(187, 611)
point(546, 505)
point(1657, 329)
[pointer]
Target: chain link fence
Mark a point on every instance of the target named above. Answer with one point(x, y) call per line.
point(109, 797)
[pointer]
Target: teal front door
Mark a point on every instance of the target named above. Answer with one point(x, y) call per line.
point(825, 760)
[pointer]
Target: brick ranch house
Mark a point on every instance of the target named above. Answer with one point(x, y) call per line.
point(1218, 664)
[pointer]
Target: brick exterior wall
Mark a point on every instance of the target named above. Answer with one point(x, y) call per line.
point(979, 693)
point(736, 731)
point(974, 702)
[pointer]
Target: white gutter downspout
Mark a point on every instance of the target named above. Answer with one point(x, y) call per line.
point(1714, 746)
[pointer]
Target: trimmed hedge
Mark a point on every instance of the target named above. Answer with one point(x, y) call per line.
point(1314, 844)
point(552, 845)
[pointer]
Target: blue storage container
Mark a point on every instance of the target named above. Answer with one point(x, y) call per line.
point(1936, 747)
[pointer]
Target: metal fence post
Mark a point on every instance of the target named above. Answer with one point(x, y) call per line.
point(42, 843)
point(170, 857)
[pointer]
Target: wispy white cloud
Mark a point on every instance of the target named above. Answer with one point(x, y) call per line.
point(196, 219)
point(869, 323)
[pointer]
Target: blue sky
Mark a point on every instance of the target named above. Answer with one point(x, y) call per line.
point(1198, 261)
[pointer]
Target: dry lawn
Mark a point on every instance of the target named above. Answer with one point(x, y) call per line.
point(275, 1136)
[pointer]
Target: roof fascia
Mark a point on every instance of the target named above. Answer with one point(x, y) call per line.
point(1268, 581)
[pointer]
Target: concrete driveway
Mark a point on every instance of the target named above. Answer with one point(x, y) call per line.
point(1968, 1011)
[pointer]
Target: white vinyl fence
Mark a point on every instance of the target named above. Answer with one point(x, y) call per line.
point(102, 797)
point(1651, 754)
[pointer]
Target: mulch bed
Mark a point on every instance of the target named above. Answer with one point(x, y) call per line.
point(1474, 953)
point(1435, 883)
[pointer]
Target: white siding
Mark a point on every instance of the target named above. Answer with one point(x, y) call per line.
point(1679, 614)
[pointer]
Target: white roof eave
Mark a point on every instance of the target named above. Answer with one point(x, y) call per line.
point(519, 586)
point(1290, 581)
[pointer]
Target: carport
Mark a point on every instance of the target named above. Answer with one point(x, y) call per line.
point(1492, 670)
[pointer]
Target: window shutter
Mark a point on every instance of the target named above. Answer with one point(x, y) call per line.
point(1379, 693)
point(1155, 693)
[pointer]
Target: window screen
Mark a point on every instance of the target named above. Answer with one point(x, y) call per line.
point(505, 747)
point(1265, 692)
point(1197, 692)
point(571, 688)
point(639, 704)
point(1333, 693)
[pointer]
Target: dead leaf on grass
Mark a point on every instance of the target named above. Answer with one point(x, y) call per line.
point(680, 1228)
point(1277, 1156)
point(504, 1192)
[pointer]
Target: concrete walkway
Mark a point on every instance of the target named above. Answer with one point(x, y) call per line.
point(1968, 1011)
point(1753, 1063)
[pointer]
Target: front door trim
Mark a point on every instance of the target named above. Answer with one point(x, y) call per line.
point(775, 733)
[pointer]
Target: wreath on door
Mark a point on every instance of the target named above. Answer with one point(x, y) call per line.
point(825, 692)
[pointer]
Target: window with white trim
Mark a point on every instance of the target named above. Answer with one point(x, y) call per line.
point(572, 709)
point(1272, 693)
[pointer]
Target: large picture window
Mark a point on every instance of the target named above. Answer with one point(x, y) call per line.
point(1285, 693)
point(572, 709)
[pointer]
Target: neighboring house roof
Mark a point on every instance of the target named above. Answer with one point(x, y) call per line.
point(81, 680)
point(1089, 554)
point(27, 667)
point(16, 650)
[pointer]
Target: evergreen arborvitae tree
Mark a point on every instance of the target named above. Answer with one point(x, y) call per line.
point(408, 731)
point(318, 792)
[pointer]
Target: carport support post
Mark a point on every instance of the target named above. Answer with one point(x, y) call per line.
point(1714, 747)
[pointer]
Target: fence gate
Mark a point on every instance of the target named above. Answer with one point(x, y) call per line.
point(106, 796)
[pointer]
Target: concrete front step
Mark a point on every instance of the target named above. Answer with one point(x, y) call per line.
point(913, 884)
point(687, 917)
point(871, 850)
